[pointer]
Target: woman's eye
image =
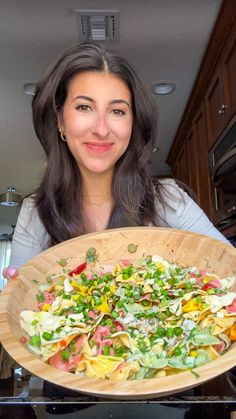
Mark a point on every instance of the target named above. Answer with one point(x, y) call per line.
point(83, 108)
point(118, 112)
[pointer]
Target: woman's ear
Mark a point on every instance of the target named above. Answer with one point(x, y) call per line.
point(60, 125)
point(60, 128)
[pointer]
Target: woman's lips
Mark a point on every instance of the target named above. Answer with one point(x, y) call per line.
point(99, 147)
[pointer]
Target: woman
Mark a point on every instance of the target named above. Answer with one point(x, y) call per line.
point(97, 124)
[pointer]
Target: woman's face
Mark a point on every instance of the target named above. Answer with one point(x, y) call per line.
point(97, 120)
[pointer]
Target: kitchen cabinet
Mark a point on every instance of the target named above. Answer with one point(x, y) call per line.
point(210, 110)
point(228, 65)
point(180, 170)
point(201, 159)
point(220, 97)
point(215, 108)
point(192, 165)
point(192, 153)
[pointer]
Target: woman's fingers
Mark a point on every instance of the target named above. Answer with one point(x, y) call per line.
point(10, 272)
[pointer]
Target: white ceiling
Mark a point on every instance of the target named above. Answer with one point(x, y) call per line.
point(162, 39)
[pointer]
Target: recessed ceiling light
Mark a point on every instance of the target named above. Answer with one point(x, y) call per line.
point(10, 198)
point(155, 149)
point(29, 88)
point(163, 88)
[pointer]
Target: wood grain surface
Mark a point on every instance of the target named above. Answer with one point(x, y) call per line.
point(112, 245)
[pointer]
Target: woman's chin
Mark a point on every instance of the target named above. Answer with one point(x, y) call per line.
point(97, 169)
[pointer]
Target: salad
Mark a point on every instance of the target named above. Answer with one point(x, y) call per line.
point(133, 320)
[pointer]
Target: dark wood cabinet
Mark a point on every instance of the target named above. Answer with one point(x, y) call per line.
point(228, 68)
point(192, 150)
point(221, 95)
point(211, 107)
point(181, 169)
point(204, 182)
point(215, 108)
point(192, 165)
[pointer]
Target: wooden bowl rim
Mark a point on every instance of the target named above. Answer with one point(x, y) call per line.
point(140, 389)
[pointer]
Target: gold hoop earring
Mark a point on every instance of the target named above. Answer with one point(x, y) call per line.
point(62, 135)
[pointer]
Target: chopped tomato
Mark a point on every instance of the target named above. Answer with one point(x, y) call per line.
point(219, 347)
point(100, 338)
point(58, 362)
point(207, 287)
point(118, 325)
point(232, 307)
point(125, 262)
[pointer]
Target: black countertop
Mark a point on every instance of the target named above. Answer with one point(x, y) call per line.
point(26, 397)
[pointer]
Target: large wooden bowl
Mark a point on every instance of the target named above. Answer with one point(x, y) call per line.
point(175, 245)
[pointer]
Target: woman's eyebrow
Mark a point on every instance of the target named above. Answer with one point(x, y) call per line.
point(120, 101)
point(126, 102)
point(84, 97)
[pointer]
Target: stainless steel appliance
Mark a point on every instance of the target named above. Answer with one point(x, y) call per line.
point(223, 171)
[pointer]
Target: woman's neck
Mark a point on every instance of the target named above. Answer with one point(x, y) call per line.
point(97, 200)
point(96, 185)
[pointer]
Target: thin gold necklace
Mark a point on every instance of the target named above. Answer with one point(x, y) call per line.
point(98, 196)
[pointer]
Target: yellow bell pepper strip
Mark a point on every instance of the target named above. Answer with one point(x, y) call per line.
point(103, 307)
point(191, 305)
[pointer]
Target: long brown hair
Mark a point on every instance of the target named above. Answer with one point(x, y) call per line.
point(58, 198)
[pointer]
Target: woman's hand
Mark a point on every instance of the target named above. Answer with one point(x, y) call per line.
point(10, 272)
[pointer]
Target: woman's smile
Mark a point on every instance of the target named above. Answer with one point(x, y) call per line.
point(99, 147)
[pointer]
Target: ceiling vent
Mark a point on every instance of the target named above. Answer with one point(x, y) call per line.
point(98, 25)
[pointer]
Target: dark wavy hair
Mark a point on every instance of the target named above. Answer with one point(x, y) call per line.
point(59, 197)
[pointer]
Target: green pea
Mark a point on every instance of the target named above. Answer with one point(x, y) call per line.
point(132, 247)
point(170, 332)
point(178, 331)
point(178, 351)
point(35, 340)
point(47, 335)
point(65, 355)
point(160, 332)
point(199, 300)
point(161, 316)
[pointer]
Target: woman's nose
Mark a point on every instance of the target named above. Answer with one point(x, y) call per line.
point(101, 126)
